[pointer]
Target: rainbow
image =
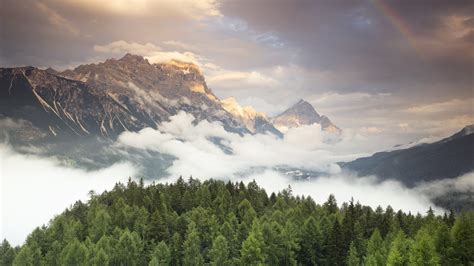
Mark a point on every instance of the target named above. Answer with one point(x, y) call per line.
point(398, 23)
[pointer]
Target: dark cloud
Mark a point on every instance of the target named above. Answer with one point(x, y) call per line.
point(380, 45)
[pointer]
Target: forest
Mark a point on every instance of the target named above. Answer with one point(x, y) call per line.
point(214, 222)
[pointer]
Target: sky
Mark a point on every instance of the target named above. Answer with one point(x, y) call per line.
point(395, 70)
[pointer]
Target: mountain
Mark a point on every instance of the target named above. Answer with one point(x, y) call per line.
point(256, 122)
point(108, 98)
point(447, 158)
point(303, 113)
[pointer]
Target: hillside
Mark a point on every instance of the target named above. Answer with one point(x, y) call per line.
point(218, 223)
point(447, 158)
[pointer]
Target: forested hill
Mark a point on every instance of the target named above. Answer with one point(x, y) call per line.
point(218, 223)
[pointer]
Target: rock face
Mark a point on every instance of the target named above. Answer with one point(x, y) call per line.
point(303, 113)
point(256, 122)
point(108, 98)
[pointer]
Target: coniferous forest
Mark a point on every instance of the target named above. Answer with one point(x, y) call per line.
point(218, 223)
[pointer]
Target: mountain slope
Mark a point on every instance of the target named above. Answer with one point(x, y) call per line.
point(448, 158)
point(303, 113)
point(108, 98)
point(256, 122)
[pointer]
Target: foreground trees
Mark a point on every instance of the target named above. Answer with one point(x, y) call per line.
point(218, 223)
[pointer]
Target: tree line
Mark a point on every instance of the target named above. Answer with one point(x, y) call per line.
point(225, 223)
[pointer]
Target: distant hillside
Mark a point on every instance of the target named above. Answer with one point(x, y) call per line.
point(448, 158)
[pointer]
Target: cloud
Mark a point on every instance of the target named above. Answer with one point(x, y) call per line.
point(35, 189)
point(366, 190)
point(464, 183)
point(197, 154)
point(206, 150)
point(150, 51)
point(122, 47)
point(180, 45)
point(259, 156)
point(225, 78)
point(195, 9)
point(456, 106)
point(216, 76)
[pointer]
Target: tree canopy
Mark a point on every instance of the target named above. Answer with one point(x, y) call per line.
point(225, 223)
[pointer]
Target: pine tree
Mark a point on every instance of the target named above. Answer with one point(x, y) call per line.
point(7, 253)
point(334, 248)
point(376, 253)
point(192, 248)
point(53, 255)
point(463, 238)
point(74, 253)
point(399, 248)
point(161, 255)
point(443, 243)
point(423, 250)
point(290, 243)
point(219, 254)
point(158, 228)
point(331, 204)
point(24, 257)
point(175, 249)
point(100, 258)
point(311, 243)
point(353, 256)
point(252, 247)
point(100, 224)
point(228, 231)
point(129, 248)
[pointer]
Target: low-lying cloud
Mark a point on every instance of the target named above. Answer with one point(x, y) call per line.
point(34, 188)
point(260, 156)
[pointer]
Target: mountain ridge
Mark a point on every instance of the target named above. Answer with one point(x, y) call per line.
point(444, 159)
point(110, 97)
point(125, 94)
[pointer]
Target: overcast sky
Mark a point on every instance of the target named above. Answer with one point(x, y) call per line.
point(396, 69)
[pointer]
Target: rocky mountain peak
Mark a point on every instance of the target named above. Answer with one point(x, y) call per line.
point(303, 113)
point(305, 109)
point(128, 57)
